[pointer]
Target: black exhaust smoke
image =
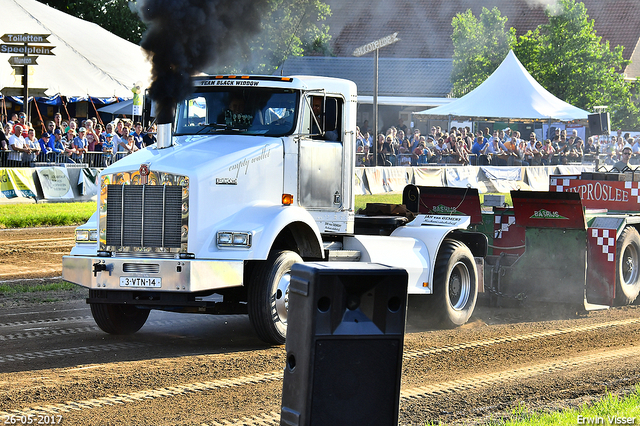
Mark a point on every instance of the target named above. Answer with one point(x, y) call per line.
point(187, 37)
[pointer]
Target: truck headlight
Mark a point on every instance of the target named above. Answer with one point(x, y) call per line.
point(86, 235)
point(234, 239)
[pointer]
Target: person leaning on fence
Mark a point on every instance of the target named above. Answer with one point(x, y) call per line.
point(4, 137)
point(17, 146)
point(480, 148)
point(45, 150)
point(80, 145)
point(107, 149)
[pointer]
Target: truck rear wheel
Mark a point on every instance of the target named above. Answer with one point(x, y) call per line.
point(628, 267)
point(455, 284)
point(118, 319)
point(268, 297)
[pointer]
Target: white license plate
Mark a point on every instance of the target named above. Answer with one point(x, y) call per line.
point(140, 282)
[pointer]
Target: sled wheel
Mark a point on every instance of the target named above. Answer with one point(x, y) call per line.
point(118, 319)
point(627, 267)
point(268, 297)
point(455, 284)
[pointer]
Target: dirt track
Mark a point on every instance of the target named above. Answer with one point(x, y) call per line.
point(502, 360)
point(34, 252)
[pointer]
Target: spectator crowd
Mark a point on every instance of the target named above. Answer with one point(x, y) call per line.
point(70, 141)
point(506, 147)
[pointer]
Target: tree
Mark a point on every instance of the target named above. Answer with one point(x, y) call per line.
point(479, 46)
point(564, 55)
point(567, 58)
point(118, 16)
point(289, 28)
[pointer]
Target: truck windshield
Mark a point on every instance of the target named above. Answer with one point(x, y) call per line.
point(254, 111)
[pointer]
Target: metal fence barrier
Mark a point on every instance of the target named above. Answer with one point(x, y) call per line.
point(91, 159)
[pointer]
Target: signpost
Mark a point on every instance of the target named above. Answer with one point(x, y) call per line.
point(375, 46)
point(26, 48)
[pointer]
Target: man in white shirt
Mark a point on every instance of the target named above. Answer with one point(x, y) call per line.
point(16, 145)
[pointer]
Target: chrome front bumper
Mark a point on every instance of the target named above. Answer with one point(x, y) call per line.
point(181, 275)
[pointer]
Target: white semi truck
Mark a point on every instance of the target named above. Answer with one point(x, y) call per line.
point(254, 174)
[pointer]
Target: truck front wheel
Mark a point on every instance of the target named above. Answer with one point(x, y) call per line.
point(628, 267)
point(118, 319)
point(455, 284)
point(268, 298)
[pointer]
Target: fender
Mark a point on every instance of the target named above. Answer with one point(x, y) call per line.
point(432, 236)
point(265, 223)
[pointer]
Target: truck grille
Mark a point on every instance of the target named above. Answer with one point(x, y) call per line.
point(144, 218)
point(144, 215)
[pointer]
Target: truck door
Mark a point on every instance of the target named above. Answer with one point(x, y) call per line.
point(321, 153)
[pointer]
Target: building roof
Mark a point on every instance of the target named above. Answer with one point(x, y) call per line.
point(424, 26)
point(401, 77)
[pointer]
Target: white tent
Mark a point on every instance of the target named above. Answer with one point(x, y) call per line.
point(88, 60)
point(119, 108)
point(510, 93)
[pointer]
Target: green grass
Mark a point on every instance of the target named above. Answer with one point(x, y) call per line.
point(35, 288)
point(604, 411)
point(45, 214)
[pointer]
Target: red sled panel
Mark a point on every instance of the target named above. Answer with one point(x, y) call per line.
point(539, 209)
point(508, 237)
point(601, 265)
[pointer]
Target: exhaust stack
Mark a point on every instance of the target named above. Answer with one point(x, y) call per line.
point(165, 118)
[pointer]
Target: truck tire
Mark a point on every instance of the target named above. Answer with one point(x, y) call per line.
point(268, 298)
point(455, 285)
point(627, 267)
point(118, 319)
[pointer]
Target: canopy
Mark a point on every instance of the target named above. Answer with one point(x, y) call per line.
point(510, 93)
point(119, 108)
point(88, 60)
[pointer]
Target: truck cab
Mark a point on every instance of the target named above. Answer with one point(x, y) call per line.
point(254, 174)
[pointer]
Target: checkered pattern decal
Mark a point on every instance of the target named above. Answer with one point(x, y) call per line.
point(558, 184)
point(502, 224)
point(635, 190)
point(606, 241)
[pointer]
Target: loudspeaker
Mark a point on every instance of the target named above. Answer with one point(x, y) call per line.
point(599, 123)
point(345, 331)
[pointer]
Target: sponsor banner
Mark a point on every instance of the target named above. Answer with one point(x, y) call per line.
point(55, 183)
point(538, 177)
point(574, 170)
point(429, 176)
point(374, 180)
point(505, 179)
point(88, 182)
point(359, 185)
point(462, 177)
point(396, 178)
point(17, 182)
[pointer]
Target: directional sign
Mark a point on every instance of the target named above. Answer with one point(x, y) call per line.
point(23, 60)
point(370, 47)
point(26, 50)
point(25, 38)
